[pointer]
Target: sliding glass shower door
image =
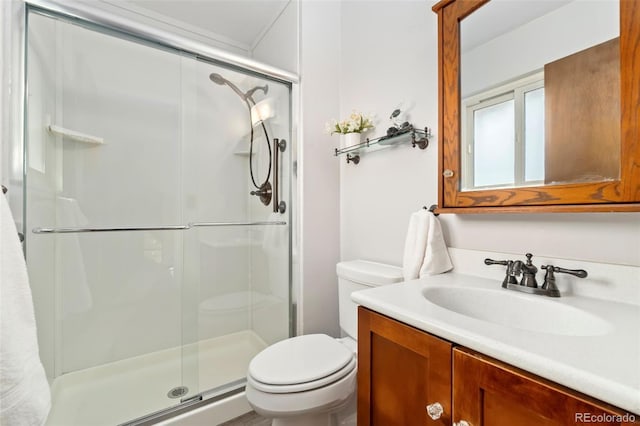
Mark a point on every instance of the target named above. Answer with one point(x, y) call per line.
point(156, 274)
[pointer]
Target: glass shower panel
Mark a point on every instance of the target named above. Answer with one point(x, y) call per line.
point(237, 269)
point(156, 274)
point(103, 148)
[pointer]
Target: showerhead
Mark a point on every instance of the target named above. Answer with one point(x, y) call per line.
point(218, 79)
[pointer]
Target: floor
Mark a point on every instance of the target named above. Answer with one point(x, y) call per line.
point(249, 419)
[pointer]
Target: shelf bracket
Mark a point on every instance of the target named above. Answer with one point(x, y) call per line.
point(355, 159)
point(423, 141)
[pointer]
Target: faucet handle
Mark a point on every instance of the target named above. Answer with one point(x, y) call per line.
point(509, 277)
point(549, 284)
point(496, 262)
point(580, 273)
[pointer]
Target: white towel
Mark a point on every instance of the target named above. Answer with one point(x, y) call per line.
point(425, 252)
point(436, 256)
point(415, 244)
point(25, 398)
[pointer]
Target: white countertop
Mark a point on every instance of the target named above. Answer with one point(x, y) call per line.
point(605, 366)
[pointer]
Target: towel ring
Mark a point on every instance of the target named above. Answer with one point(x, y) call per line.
point(432, 209)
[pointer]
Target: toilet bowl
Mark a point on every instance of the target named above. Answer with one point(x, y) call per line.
point(310, 380)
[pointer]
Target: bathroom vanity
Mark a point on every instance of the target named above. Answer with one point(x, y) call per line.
point(455, 349)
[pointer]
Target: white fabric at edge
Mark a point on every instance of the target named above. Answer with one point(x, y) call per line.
point(25, 398)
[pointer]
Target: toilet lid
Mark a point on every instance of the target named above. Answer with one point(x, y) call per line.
point(299, 360)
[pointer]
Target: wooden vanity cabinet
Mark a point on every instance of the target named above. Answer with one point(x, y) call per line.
point(491, 393)
point(401, 370)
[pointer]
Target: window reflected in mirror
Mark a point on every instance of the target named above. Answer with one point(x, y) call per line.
point(540, 93)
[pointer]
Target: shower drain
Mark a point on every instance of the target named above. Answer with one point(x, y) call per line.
point(177, 392)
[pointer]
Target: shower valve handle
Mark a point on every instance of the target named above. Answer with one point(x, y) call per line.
point(264, 192)
point(261, 192)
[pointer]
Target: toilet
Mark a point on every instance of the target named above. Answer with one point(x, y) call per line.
point(310, 380)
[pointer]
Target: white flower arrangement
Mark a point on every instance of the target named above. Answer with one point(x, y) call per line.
point(356, 123)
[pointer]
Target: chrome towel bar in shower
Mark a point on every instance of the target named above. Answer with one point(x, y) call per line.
point(153, 228)
point(205, 224)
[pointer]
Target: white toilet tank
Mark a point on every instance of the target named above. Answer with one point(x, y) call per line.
point(356, 275)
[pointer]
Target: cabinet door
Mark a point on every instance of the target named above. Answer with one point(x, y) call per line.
point(401, 370)
point(487, 392)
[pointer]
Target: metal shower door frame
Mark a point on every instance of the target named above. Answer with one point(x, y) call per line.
point(85, 13)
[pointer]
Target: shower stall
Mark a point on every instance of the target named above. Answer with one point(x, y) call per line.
point(156, 268)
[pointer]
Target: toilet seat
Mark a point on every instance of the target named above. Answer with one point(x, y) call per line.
point(301, 364)
point(306, 386)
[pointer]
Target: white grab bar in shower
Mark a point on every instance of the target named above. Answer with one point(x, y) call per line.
point(72, 134)
point(153, 228)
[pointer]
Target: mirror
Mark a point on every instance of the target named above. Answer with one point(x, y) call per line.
point(540, 93)
point(572, 100)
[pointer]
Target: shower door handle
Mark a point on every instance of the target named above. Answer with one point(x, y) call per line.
point(279, 146)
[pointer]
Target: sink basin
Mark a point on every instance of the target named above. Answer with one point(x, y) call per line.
point(510, 309)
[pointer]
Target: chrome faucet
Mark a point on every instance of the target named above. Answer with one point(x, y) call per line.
point(528, 270)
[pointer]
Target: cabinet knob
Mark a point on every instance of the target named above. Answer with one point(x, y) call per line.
point(448, 173)
point(435, 410)
point(462, 423)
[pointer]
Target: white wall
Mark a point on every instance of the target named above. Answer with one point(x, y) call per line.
point(319, 171)
point(279, 45)
point(388, 58)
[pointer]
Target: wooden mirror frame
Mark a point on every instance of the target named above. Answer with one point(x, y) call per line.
point(619, 195)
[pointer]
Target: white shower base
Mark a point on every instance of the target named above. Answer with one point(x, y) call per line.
point(124, 390)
